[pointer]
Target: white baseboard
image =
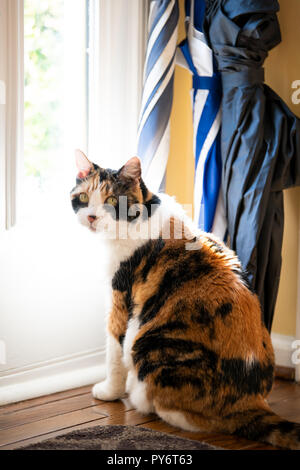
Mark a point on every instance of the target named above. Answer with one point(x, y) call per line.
point(52, 377)
point(282, 345)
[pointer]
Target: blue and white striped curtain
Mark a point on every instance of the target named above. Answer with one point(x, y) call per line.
point(154, 125)
point(153, 144)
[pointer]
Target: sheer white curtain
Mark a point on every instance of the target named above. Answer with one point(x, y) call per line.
point(117, 49)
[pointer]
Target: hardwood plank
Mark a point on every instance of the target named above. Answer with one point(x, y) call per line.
point(289, 416)
point(43, 437)
point(47, 410)
point(36, 428)
point(130, 417)
point(50, 424)
point(258, 446)
point(159, 425)
point(286, 385)
point(285, 373)
point(21, 405)
point(288, 408)
point(283, 390)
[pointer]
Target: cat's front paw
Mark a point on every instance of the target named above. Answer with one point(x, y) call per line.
point(105, 391)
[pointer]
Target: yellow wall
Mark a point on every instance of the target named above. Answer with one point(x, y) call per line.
point(282, 67)
point(180, 169)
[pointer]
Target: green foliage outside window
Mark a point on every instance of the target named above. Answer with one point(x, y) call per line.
point(43, 99)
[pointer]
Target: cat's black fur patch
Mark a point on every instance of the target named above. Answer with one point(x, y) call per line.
point(170, 351)
point(152, 257)
point(170, 377)
point(125, 275)
point(224, 310)
point(104, 174)
point(258, 427)
point(255, 428)
point(77, 204)
point(201, 314)
point(151, 206)
point(253, 379)
point(148, 343)
point(192, 266)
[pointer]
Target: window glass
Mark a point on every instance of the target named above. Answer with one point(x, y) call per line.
point(55, 98)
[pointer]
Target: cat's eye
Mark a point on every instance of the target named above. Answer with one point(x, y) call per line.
point(83, 197)
point(113, 201)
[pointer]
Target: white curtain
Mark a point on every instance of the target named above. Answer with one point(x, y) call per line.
point(118, 36)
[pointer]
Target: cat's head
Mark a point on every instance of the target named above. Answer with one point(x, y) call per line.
point(105, 199)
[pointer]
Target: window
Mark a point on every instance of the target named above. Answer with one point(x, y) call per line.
point(76, 67)
point(55, 100)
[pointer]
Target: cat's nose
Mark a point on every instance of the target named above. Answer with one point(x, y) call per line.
point(91, 218)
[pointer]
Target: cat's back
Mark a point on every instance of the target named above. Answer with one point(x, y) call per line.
point(199, 278)
point(198, 320)
point(200, 267)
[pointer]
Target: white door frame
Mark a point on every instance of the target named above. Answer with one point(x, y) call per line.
point(11, 103)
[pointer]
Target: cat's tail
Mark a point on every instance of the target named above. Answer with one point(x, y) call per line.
point(264, 426)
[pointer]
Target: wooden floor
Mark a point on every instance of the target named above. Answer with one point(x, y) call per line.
point(41, 418)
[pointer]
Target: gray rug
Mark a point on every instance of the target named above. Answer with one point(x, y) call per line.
point(118, 438)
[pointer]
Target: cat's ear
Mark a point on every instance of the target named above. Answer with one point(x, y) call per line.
point(84, 166)
point(132, 169)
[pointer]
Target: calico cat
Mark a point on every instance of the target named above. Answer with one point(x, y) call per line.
point(185, 336)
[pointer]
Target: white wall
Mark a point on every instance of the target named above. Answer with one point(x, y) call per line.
point(52, 295)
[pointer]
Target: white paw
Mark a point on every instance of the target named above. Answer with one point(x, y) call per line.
point(105, 391)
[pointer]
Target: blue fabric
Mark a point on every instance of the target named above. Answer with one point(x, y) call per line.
point(159, 9)
point(260, 140)
point(214, 84)
point(157, 121)
point(162, 39)
point(213, 163)
point(199, 13)
point(152, 129)
point(212, 181)
point(157, 86)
